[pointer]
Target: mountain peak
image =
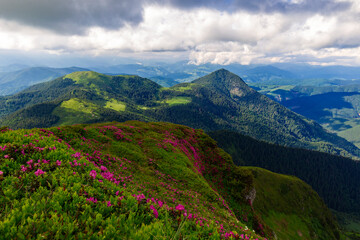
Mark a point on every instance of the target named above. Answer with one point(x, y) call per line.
point(226, 82)
point(222, 70)
point(219, 76)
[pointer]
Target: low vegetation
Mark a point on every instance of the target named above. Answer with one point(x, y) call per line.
point(143, 181)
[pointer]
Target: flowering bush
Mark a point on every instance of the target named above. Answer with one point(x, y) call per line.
point(138, 181)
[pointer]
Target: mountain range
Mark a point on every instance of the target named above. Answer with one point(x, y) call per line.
point(218, 101)
point(298, 74)
point(18, 76)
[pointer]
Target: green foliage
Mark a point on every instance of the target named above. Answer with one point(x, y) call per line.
point(41, 93)
point(350, 224)
point(116, 105)
point(297, 212)
point(334, 178)
point(122, 181)
point(178, 100)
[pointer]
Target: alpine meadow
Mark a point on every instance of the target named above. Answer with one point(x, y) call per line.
point(179, 120)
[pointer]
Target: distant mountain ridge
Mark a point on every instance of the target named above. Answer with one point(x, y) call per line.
point(220, 100)
point(297, 74)
point(15, 81)
point(170, 74)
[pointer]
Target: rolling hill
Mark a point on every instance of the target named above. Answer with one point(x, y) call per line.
point(220, 100)
point(138, 180)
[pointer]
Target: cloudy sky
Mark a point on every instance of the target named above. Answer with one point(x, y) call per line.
point(324, 32)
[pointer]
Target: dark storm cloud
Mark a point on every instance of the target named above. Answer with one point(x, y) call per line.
point(76, 16)
point(268, 6)
point(311, 6)
point(72, 16)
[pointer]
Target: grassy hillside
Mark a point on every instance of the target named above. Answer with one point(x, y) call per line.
point(220, 100)
point(335, 178)
point(290, 201)
point(145, 181)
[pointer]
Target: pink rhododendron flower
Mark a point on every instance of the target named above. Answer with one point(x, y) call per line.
point(6, 156)
point(58, 162)
point(92, 199)
point(180, 207)
point(109, 204)
point(93, 174)
point(77, 155)
point(155, 212)
point(1, 172)
point(117, 193)
point(160, 203)
point(39, 172)
point(139, 197)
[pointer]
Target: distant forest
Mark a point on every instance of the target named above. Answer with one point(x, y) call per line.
point(336, 179)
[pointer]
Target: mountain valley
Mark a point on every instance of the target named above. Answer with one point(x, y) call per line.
point(219, 103)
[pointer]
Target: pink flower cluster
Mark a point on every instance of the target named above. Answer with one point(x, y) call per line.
point(39, 172)
point(155, 212)
point(139, 197)
point(180, 207)
point(93, 174)
point(92, 199)
point(77, 155)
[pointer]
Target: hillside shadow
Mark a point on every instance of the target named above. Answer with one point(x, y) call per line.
point(318, 107)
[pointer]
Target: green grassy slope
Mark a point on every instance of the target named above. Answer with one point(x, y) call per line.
point(294, 206)
point(220, 100)
point(335, 178)
point(140, 180)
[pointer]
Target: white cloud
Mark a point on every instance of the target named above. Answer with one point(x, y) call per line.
point(208, 35)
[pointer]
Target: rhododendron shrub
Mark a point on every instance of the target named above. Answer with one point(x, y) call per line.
point(115, 181)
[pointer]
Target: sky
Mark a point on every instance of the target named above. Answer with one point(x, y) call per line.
point(318, 32)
